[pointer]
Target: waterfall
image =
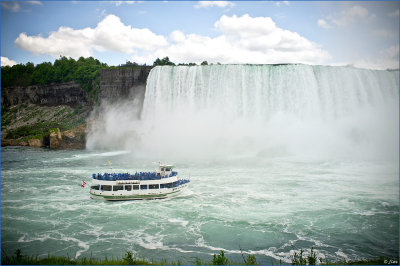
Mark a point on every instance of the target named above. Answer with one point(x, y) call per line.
point(261, 91)
point(269, 110)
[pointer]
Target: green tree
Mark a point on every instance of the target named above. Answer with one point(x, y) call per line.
point(204, 63)
point(17, 75)
point(43, 74)
point(87, 70)
point(163, 62)
point(84, 71)
point(129, 63)
point(64, 69)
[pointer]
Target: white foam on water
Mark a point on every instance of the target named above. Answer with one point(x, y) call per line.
point(26, 238)
point(101, 154)
point(285, 257)
point(81, 244)
point(183, 223)
point(340, 253)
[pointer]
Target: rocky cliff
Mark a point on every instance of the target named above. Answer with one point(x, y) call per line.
point(31, 114)
point(69, 93)
point(127, 83)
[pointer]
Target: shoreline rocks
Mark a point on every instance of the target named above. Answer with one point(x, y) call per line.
point(55, 138)
point(36, 142)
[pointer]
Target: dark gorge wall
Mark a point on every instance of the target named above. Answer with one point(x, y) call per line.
point(123, 83)
point(69, 93)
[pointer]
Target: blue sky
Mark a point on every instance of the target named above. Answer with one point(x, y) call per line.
point(361, 33)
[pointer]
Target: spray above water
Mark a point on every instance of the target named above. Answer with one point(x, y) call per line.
point(220, 111)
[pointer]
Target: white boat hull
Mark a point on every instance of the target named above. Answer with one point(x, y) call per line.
point(137, 195)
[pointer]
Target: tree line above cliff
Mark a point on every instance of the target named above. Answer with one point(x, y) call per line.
point(84, 71)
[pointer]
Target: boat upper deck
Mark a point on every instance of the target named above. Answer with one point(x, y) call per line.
point(136, 176)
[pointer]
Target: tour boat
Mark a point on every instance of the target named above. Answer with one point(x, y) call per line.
point(160, 184)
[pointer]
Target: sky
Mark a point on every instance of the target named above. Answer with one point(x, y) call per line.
point(364, 34)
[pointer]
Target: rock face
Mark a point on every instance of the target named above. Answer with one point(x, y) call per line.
point(69, 93)
point(14, 142)
point(124, 84)
point(36, 142)
point(74, 138)
point(55, 138)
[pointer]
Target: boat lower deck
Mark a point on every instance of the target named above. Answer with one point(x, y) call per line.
point(95, 194)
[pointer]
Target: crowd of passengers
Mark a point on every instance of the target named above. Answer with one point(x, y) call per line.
point(127, 176)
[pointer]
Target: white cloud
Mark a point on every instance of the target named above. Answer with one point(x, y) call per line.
point(34, 2)
point(118, 3)
point(384, 33)
point(279, 3)
point(323, 24)
point(388, 58)
point(243, 40)
point(109, 35)
point(7, 62)
point(391, 52)
point(203, 4)
point(13, 6)
point(346, 17)
point(394, 14)
point(177, 36)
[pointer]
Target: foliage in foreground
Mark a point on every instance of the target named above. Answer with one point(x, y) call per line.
point(19, 259)
point(298, 258)
point(129, 259)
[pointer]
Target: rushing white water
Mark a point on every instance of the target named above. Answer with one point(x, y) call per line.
point(259, 110)
point(262, 91)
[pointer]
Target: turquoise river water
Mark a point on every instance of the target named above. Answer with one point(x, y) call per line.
point(267, 207)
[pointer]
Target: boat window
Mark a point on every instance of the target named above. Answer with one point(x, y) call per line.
point(128, 187)
point(169, 185)
point(116, 188)
point(135, 187)
point(174, 184)
point(153, 186)
point(167, 169)
point(162, 169)
point(105, 187)
point(143, 186)
point(97, 187)
point(162, 185)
